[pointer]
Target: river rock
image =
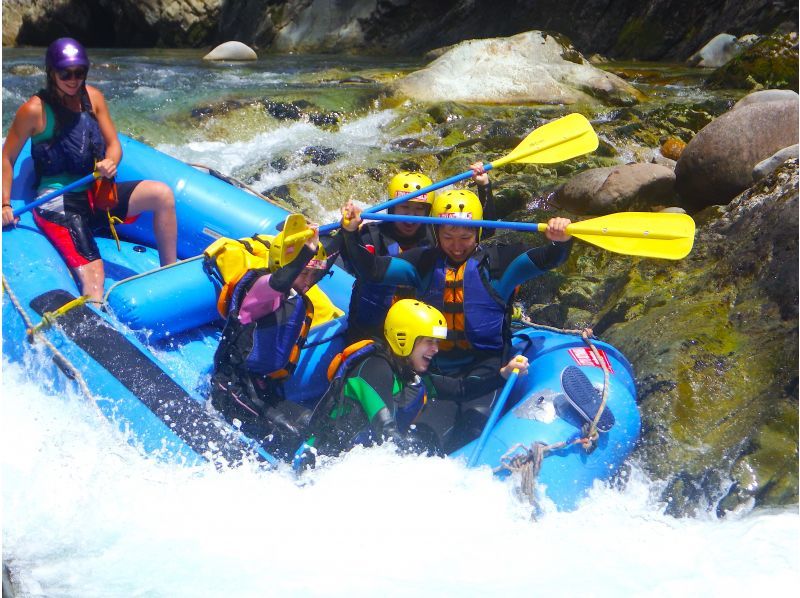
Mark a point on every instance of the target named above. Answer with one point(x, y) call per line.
point(714, 345)
point(672, 148)
point(320, 155)
point(718, 163)
point(231, 51)
point(715, 53)
point(713, 341)
point(767, 95)
point(630, 187)
point(530, 67)
point(769, 63)
point(766, 167)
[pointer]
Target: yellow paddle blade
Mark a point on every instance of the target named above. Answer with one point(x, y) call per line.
point(560, 140)
point(647, 234)
point(288, 243)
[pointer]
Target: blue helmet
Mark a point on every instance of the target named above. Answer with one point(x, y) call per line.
point(64, 53)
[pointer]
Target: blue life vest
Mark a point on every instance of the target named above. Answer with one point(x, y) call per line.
point(271, 345)
point(77, 142)
point(478, 319)
point(371, 301)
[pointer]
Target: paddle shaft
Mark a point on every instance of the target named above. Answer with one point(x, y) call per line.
point(577, 228)
point(52, 195)
point(404, 198)
point(493, 417)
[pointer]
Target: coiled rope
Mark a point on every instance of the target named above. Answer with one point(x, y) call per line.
point(527, 461)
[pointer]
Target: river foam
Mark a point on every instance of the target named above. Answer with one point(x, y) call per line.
point(86, 514)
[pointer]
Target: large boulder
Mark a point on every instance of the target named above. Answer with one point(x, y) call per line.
point(718, 162)
point(231, 51)
point(770, 63)
point(714, 344)
point(767, 95)
point(630, 187)
point(715, 53)
point(530, 67)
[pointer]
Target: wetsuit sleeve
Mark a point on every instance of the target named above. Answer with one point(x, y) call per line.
point(283, 278)
point(333, 247)
point(379, 268)
point(530, 264)
point(463, 389)
point(489, 211)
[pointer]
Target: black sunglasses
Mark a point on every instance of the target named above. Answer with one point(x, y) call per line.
point(70, 74)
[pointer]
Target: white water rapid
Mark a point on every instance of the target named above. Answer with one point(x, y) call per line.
point(85, 514)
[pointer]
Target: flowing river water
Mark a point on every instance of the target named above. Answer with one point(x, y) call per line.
point(86, 514)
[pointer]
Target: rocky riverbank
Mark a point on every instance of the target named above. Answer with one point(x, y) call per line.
point(639, 29)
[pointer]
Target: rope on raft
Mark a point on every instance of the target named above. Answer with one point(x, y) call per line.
point(35, 332)
point(275, 201)
point(527, 461)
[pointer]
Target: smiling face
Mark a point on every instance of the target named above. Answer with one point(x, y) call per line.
point(410, 208)
point(68, 81)
point(457, 242)
point(425, 348)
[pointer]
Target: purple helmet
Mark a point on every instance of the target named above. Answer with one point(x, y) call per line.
point(65, 52)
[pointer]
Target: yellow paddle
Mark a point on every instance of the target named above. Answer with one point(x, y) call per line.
point(647, 234)
point(288, 243)
point(559, 140)
point(556, 141)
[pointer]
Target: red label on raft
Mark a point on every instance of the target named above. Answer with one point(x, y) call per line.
point(585, 356)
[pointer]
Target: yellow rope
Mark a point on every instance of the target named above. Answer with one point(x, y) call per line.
point(49, 317)
point(35, 332)
point(112, 220)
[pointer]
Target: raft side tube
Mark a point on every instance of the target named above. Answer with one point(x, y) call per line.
point(207, 208)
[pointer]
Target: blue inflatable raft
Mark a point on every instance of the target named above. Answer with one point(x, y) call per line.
point(146, 360)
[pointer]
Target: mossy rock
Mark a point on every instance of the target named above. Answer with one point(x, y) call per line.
point(715, 355)
point(771, 63)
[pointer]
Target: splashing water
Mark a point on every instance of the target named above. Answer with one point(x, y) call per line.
point(85, 513)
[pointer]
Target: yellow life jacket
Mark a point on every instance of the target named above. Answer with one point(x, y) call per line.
point(228, 260)
point(324, 309)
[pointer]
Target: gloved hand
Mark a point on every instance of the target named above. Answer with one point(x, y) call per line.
point(281, 422)
point(405, 442)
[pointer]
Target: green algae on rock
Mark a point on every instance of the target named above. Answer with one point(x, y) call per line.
point(771, 63)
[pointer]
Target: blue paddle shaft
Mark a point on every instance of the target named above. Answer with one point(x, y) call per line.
point(47, 197)
point(523, 226)
point(496, 411)
point(403, 198)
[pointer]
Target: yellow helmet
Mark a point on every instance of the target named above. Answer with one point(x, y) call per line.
point(287, 244)
point(457, 203)
point(404, 183)
point(409, 319)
